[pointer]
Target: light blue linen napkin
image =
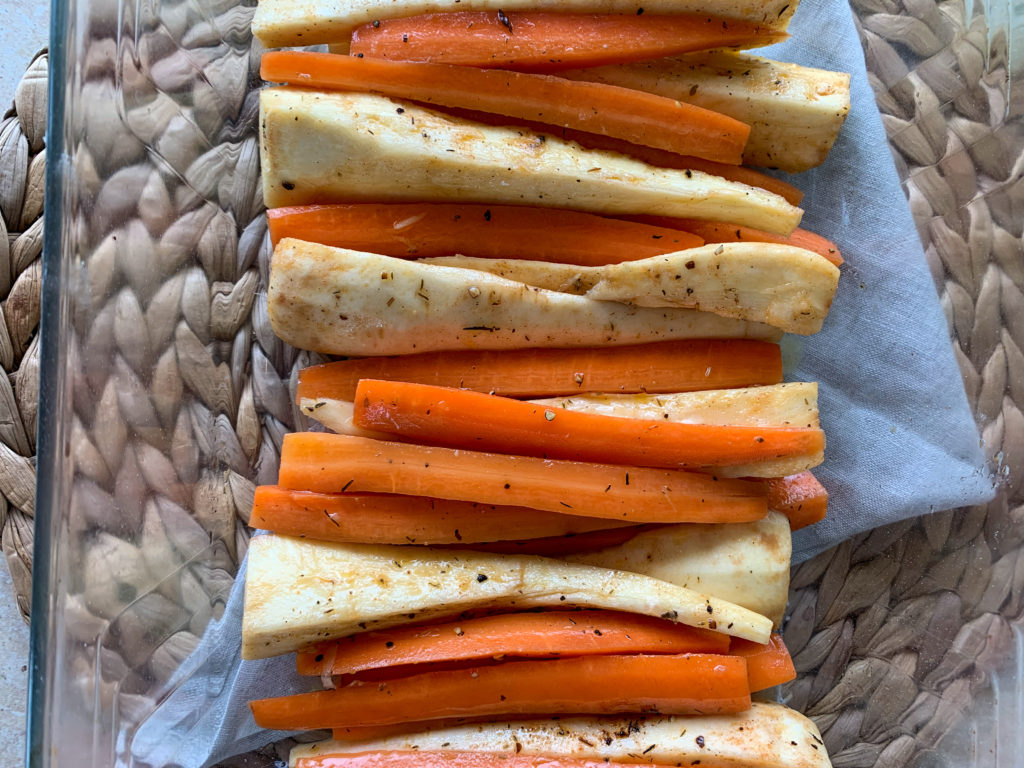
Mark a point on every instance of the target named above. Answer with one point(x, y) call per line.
point(902, 441)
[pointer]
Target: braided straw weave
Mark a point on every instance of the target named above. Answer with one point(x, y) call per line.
point(181, 393)
point(22, 170)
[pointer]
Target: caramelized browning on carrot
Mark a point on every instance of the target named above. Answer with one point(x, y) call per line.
point(421, 230)
point(341, 463)
point(623, 113)
point(673, 684)
point(521, 635)
point(390, 519)
point(717, 232)
point(544, 41)
point(458, 418)
point(668, 366)
point(767, 665)
point(799, 497)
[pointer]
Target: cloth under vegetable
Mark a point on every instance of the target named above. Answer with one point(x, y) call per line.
point(902, 440)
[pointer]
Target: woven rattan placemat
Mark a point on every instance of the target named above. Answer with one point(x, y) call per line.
point(22, 171)
point(894, 632)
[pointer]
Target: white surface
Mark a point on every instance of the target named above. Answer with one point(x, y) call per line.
point(13, 675)
point(25, 30)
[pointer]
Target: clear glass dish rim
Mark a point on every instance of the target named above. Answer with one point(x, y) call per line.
point(52, 391)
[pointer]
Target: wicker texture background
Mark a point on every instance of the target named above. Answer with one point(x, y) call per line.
point(897, 632)
point(22, 172)
point(182, 393)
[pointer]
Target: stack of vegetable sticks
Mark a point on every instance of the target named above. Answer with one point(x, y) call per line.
point(557, 467)
point(469, 470)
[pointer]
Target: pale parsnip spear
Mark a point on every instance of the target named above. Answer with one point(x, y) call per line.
point(746, 563)
point(794, 112)
point(299, 591)
point(331, 147)
point(780, 285)
point(793, 404)
point(344, 302)
point(765, 736)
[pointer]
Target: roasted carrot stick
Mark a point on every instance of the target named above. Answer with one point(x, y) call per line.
point(634, 116)
point(767, 665)
point(389, 519)
point(522, 635)
point(341, 463)
point(649, 155)
point(717, 232)
point(667, 366)
point(675, 684)
point(450, 759)
point(458, 418)
point(811, 241)
point(379, 518)
point(420, 230)
point(799, 497)
point(544, 41)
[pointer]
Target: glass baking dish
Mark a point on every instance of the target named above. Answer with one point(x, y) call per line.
point(167, 395)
